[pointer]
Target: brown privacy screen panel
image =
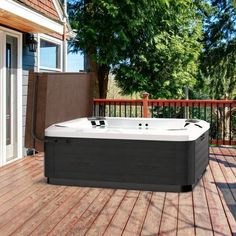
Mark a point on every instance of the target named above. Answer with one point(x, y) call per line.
point(55, 97)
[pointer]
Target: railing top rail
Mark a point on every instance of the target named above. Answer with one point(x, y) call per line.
point(232, 103)
point(195, 101)
point(110, 100)
point(202, 103)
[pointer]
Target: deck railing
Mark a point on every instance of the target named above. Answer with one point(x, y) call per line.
point(221, 114)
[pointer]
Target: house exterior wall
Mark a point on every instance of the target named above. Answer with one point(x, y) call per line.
point(45, 7)
point(25, 18)
point(43, 18)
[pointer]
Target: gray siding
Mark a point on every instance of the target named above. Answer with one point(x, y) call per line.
point(29, 62)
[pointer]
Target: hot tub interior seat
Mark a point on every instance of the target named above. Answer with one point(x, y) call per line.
point(111, 156)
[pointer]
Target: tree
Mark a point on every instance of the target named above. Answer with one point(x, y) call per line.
point(166, 60)
point(148, 45)
point(217, 77)
point(218, 59)
point(104, 29)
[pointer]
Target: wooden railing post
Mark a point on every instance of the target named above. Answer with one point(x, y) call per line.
point(145, 105)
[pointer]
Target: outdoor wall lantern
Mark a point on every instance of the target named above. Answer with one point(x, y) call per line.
point(31, 42)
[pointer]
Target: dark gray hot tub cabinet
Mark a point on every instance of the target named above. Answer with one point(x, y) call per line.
point(174, 166)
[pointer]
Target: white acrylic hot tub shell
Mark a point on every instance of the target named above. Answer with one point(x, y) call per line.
point(128, 128)
point(117, 153)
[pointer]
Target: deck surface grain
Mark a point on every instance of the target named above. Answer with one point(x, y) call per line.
point(30, 206)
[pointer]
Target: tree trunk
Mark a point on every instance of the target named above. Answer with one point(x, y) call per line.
point(100, 74)
point(103, 72)
point(224, 116)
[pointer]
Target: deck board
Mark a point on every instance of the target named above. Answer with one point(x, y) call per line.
point(185, 214)
point(202, 218)
point(86, 220)
point(231, 161)
point(30, 206)
point(153, 218)
point(6, 172)
point(228, 173)
point(23, 214)
point(121, 217)
point(42, 215)
point(218, 217)
point(101, 223)
point(170, 214)
point(14, 193)
point(57, 216)
point(224, 191)
point(73, 216)
point(136, 219)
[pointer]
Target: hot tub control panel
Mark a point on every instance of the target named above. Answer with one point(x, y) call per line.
point(97, 121)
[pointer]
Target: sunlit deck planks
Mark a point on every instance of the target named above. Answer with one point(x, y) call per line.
point(29, 206)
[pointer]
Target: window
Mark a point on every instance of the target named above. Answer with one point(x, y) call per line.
point(50, 55)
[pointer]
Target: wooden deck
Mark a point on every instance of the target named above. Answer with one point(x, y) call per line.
point(29, 206)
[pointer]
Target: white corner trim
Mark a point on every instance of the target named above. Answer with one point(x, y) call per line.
point(2, 58)
point(28, 14)
point(59, 9)
point(19, 112)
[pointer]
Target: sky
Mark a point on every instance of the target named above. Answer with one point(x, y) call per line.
point(75, 62)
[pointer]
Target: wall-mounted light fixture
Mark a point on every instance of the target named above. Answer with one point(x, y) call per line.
point(31, 42)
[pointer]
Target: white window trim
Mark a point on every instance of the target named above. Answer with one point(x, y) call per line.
point(28, 14)
point(19, 143)
point(53, 40)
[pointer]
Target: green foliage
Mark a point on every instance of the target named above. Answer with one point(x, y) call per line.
point(218, 68)
point(151, 45)
point(104, 28)
point(165, 60)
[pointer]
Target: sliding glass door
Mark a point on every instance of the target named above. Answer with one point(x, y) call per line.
point(11, 96)
point(11, 77)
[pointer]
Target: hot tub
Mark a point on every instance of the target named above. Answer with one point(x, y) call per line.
point(130, 153)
